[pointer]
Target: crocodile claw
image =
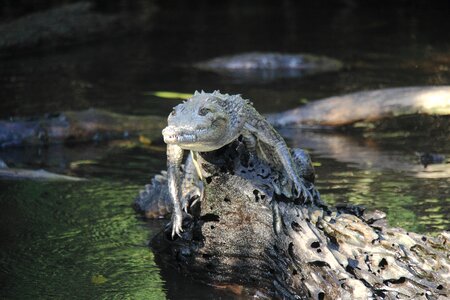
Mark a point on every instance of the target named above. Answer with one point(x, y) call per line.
point(177, 224)
point(185, 205)
point(315, 193)
point(302, 190)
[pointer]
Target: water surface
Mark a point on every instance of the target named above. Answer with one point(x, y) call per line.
point(83, 240)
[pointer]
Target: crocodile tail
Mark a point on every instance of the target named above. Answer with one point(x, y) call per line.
point(154, 200)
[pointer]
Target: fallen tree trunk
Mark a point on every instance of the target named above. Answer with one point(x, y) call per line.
point(367, 106)
point(243, 234)
point(81, 126)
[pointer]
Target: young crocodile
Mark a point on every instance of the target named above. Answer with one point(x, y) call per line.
point(209, 121)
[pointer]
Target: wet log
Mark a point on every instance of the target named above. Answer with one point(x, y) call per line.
point(267, 66)
point(78, 126)
point(37, 175)
point(367, 106)
point(244, 236)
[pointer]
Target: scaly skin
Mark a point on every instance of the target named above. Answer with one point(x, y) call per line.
point(209, 121)
point(155, 202)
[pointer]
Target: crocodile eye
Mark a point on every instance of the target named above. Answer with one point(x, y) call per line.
point(204, 111)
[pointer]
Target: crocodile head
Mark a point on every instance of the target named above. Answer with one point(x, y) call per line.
point(205, 122)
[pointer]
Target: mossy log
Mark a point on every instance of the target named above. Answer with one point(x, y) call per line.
point(242, 234)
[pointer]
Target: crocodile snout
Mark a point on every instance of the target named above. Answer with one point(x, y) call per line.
point(169, 135)
point(173, 135)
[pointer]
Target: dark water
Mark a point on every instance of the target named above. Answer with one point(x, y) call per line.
point(83, 240)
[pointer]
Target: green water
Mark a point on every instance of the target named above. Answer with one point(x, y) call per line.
point(412, 203)
point(83, 240)
point(61, 240)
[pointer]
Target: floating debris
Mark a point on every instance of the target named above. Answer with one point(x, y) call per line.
point(427, 158)
point(169, 95)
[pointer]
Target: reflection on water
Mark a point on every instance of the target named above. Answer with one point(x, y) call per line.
point(83, 240)
point(382, 154)
point(352, 169)
point(415, 204)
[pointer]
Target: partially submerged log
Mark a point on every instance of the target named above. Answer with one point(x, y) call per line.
point(367, 107)
point(78, 126)
point(243, 234)
point(266, 66)
point(39, 175)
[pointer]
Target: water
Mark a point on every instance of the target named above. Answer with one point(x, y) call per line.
point(66, 248)
point(83, 240)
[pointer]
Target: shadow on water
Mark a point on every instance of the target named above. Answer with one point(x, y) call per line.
point(82, 240)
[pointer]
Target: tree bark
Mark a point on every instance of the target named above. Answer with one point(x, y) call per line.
point(243, 234)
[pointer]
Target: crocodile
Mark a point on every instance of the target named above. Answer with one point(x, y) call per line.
point(154, 201)
point(207, 122)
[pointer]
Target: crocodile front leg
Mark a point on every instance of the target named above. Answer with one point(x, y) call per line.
point(174, 159)
point(283, 153)
point(265, 133)
point(191, 185)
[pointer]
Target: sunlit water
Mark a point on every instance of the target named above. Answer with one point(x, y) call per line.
point(83, 240)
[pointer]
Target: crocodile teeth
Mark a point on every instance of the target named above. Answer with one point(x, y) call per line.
point(187, 138)
point(173, 135)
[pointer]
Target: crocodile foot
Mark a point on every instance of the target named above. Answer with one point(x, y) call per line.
point(302, 190)
point(176, 223)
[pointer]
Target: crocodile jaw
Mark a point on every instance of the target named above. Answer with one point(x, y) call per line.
point(172, 137)
point(196, 140)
